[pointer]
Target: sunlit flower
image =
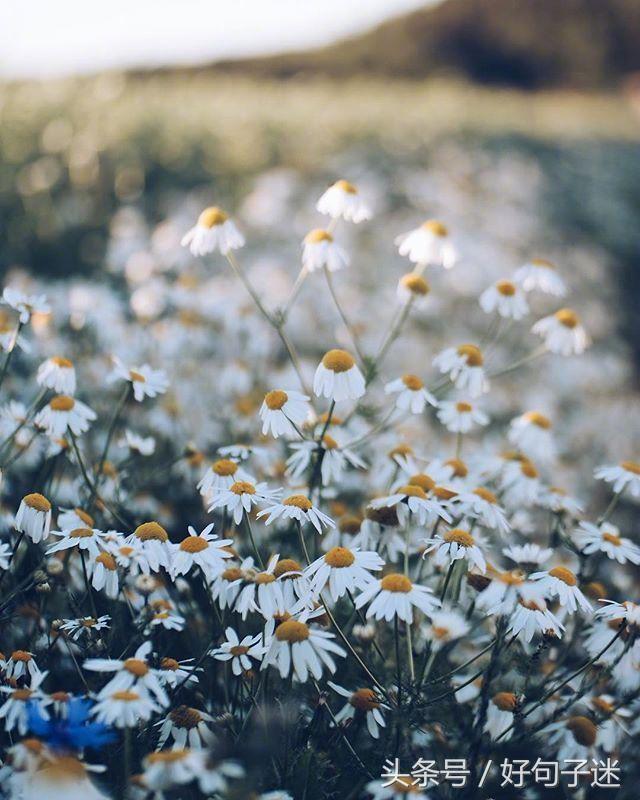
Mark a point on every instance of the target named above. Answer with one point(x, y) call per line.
point(411, 394)
point(540, 274)
point(364, 702)
point(465, 367)
point(64, 413)
point(145, 381)
point(34, 517)
point(338, 377)
point(342, 199)
point(563, 333)
point(300, 508)
point(395, 595)
point(239, 651)
point(280, 409)
point(430, 244)
point(343, 569)
point(505, 297)
point(320, 250)
point(57, 373)
point(622, 476)
point(213, 231)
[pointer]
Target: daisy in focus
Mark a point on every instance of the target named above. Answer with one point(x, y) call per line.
point(302, 649)
point(203, 550)
point(411, 394)
point(300, 508)
point(460, 416)
point(239, 651)
point(622, 477)
point(453, 545)
point(395, 595)
point(282, 412)
point(364, 702)
point(343, 570)
point(34, 517)
point(64, 413)
point(240, 498)
point(561, 582)
point(338, 378)
point(213, 231)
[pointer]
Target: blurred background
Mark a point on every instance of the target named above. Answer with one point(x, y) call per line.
point(515, 121)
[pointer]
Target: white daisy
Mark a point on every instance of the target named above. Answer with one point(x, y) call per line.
point(63, 413)
point(412, 288)
point(24, 304)
point(300, 508)
point(364, 702)
point(145, 381)
point(531, 616)
point(89, 540)
point(465, 367)
point(343, 569)
point(301, 648)
point(627, 611)
point(460, 416)
point(531, 433)
point(222, 474)
point(412, 499)
point(33, 517)
point(172, 672)
point(204, 550)
point(528, 554)
point(130, 673)
point(335, 459)
point(84, 626)
point(395, 595)
point(562, 333)
point(454, 545)
point(16, 709)
point(240, 498)
point(506, 298)
point(213, 231)
point(21, 663)
point(153, 540)
point(164, 770)
point(143, 445)
point(342, 199)
point(560, 582)
point(429, 244)
point(500, 714)
point(338, 377)
point(188, 727)
point(104, 574)
point(481, 504)
point(520, 484)
point(124, 708)
point(280, 409)
point(70, 518)
point(505, 590)
point(625, 475)
point(320, 250)
point(57, 373)
point(540, 274)
point(261, 592)
point(411, 394)
point(239, 651)
point(605, 538)
point(444, 627)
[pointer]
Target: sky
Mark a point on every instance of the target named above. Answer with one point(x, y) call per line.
point(47, 38)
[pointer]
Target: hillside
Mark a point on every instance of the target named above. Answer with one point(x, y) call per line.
point(525, 43)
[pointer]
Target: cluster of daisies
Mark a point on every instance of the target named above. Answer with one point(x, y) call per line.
point(344, 594)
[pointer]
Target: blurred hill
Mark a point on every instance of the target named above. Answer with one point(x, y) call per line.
point(525, 43)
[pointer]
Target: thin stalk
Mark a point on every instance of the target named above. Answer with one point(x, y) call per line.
point(7, 360)
point(343, 316)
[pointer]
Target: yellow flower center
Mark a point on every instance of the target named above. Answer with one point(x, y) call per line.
point(396, 582)
point(528, 470)
point(536, 418)
point(21, 655)
point(318, 235)
point(62, 402)
point(631, 466)
point(415, 284)
point(286, 565)
point(347, 187)
point(193, 544)
point(136, 667)
point(169, 663)
point(460, 469)
point(211, 217)
point(81, 533)
point(612, 538)
point(275, 399)
point(542, 262)
point(63, 769)
point(412, 382)
point(232, 574)
point(364, 700)
point(239, 650)
point(584, 730)
point(107, 561)
point(137, 377)
point(21, 694)
point(442, 493)
point(485, 494)
point(563, 574)
point(37, 501)
point(329, 443)
point(472, 354)
point(185, 717)
point(505, 701)
point(424, 481)
point(166, 757)
point(224, 467)
point(264, 577)
point(299, 501)
point(435, 227)
point(338, 361)
point(413, 490)
point(151, 531)
point(511, 578)
point(506, 288)
point(567, 317)
point(125, 696)
point(457, 535)
point(243, 487)
point(292, 631)
point(88, 622)
point(339, 557)
point(463, 408)
point(602, 705)
point(86, 518)
point(62, 362)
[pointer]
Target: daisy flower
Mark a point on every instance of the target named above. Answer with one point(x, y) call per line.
point(262, 592)
point(461, 416)
point(556, 499)
point(412, 288)
point(187, 727)
point(104, 574)
point(154, 543)
point(342, 199)
point(454, 545)
point(222, 474)
point(302, 649)
point(505, 297)
point(531, 616)
point(319, 250)
point(300, 508)
point(172, 672)
point(428, 244)
point(445, 627)
point(481, 504)
point(364, 702)
point(84, 626)
point(34, 517)
point(16, 709)
point(411, 394)
point(613, 723)
point(334, 459)
point(57, 373)
point(90, 540)
point(64, 413)
point(124, 708)
point(21, 664)
point(167, 769)
point(520, 484)
point(338, 377)
point(465, 367)
point(395, 595)
point(70, 518)
point(627, 611)
point(343, 569)
point(24, 304)
point(143, 445)
point(5, 555)
point(204, 550)
point(130, 673)
point(239, 651)
point(562, 333)
point(560, 582)
point(213, 231)
point(605, 538)
point(280, 409)
point(240, 498)
point(412, 499)
point(528, 555)
point(531, 433)
point(625, 475)
point(146, 382)
point(505, 590)
point(500, 714)
point(226, 586)
point(573, 739)
point(540, 274)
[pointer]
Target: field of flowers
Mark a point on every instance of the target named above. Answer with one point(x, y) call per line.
point(319, 472)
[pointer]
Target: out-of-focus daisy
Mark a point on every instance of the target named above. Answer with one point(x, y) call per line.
point(20, 664)
point(411, 394)
point(221, 475)
point(342, 199)
point(412, 499)
point(34, 517)
point(613, 725)
point(560, 582)
point(453, 545)
point(213, 231)
point(558, 500)
point(145, 381)
point(540, 274)
point(305, 649)
point(334, 459)
point(520, 484)
point(482, 504)
point(24, 304)
point(130, 673)
point(395, 595)
point(240, 498)
point(84, 626)
point(5, 555)
point(172, 672)
point(460, 416)
point(239, 651)
point(444, 627)
point(124, 708)
point(90, 540)
point(396, 787)
point(70, 518)
point(204, 550)
point(625, 475)
point(338, 377)
point(280, 409)
point(605, 538)
point(465, 367)
point(63, 413)
point(19, 702)
point(562, 333)
point(300, 508)
point(320, 250)
point(343, 569)
point(500, 714)
point(573, 739)
point(531, 433)
point(57, 373)
point(505, 297)
point(504, 591)
point(187, 727)
point(167, 769)
point(363, 702)
point(59, 776)
point(528, 555)
point(143, 445)
point(627, 611)
point(430, 244)
point(412, 287)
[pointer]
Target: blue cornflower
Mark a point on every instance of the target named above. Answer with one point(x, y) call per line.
point(72, 732)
